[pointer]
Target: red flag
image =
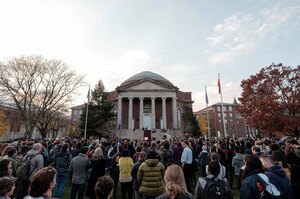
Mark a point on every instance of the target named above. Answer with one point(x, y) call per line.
point(219, 84)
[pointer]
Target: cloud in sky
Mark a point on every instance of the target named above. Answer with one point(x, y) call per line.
point(241, 33)
point(187, 43)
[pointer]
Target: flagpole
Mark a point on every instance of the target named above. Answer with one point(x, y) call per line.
point(86, 113)
point(222, 108)
point(207, 117)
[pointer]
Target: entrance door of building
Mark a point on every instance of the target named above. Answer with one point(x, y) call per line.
point(147, 121)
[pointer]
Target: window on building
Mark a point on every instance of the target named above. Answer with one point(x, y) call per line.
point(225, 115)
point(220, 120)
point(230, 114)
point(219, 115)
point(219, 108)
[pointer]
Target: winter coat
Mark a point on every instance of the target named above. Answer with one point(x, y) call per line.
point(150, 177)
point(62, 161)
point(278, 177)
point(36, 162)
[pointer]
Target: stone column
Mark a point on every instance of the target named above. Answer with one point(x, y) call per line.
point(130, 113)
point(174, 112)
point(153, 113)
point(119, 122)
point(179, 118)
point(164, 113)
point(141, 112)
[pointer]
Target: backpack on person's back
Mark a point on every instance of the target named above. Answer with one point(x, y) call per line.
point(266, 189)
point(216, 189)
point(23, 168)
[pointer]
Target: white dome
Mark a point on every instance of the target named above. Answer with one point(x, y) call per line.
point(146, 74)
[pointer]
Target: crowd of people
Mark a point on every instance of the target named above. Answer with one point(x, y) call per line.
point(177, 168)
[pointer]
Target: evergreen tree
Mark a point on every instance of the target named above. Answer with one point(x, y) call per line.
point(100, 113)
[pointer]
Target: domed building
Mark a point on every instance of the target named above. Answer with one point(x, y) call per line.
point(148, 101)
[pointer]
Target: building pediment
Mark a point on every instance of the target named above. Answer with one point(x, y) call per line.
point(146, 84)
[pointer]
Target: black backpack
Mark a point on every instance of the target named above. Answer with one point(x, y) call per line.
point(216, 189)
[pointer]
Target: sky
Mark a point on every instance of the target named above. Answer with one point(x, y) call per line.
point(186, 41)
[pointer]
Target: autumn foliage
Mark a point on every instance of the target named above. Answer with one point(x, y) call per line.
point(270, 100)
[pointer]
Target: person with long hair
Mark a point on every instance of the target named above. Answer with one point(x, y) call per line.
point(98, 164)
point(104, 187)
point(5, 167)
point(175, 184)
point(253, 167)
point(42, 184)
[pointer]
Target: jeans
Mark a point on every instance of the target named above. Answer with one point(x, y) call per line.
point(61, 179)
point(77, 187)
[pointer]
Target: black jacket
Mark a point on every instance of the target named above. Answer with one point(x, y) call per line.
point(62, 161)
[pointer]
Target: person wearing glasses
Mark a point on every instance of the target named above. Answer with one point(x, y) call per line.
point(175, 183)
point(42, 184)
point(7, 187)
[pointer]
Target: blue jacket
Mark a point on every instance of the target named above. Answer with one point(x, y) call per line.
point(249, 189)
point(278, 177)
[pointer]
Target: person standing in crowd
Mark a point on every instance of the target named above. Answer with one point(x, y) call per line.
point(98, 165)
point(62, 162)
point(256, 151)
point(175, 184)
point(10, 154)
point(42, 184)
point(201, 189)
point(7, 187)
point(104, 187)
point(277, 176)
point(78, 168)
point(295, 144)
point(186, 162)
point(36, 163)
point(177, 152)
point(222, 173)
point(290, 156)
point(151, 171)
point(249, 187)
point(237, 163)
point(203, 160)
point(125, 166)
point(36, 158)
point(135, 168)
point(5, 168)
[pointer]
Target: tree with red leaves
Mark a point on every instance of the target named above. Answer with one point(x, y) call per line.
point(271, 100)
